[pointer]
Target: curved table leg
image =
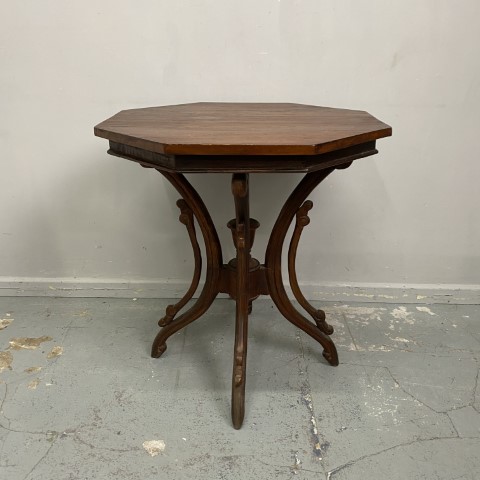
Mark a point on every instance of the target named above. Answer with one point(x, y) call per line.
point(273, 266)
point(240, 193)
point(186, 217)
point(214, 262)
point(302, 220)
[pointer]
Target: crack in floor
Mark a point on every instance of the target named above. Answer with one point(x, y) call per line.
point(317, 442)
point(39, 461)
point(475, 388)
point(350, 463)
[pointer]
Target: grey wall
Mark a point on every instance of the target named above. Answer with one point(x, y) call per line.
point(410, 215)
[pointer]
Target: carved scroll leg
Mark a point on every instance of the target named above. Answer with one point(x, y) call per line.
point(186, 217)
point(214, 262)
point(240, 193)
point(302, 220)
point(273, 265)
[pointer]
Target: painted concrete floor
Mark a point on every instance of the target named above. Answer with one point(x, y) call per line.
point(80, 394)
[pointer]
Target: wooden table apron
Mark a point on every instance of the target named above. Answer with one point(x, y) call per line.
point(145, 136)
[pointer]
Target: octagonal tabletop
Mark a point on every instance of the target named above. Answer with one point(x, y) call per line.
point(238, 129)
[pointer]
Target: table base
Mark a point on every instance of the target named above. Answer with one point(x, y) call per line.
point(244, 278)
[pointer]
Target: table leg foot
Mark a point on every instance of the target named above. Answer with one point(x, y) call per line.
point(197, 310)
point(158, 350)
point(331, 357)
point(187, 218)
point(286, 308)
point(302, 220)
point(238, 403)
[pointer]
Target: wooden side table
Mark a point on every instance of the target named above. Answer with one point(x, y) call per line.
point(243, 138)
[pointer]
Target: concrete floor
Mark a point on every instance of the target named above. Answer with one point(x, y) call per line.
point(80, 394)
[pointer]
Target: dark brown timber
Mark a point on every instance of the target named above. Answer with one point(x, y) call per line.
point(242, 230)
point(302, 220)
point(265, 129)
point(186, 217)
point(241, 139)
point(214, 263)
point(273, 263)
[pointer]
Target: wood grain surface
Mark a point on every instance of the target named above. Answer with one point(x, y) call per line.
point(242, 129)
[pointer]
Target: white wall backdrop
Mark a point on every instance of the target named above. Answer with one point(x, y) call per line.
point(70, 212)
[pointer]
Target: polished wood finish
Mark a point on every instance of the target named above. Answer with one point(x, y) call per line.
point(214, 262)
point(273, 263)
point(302, 220)
point(242, 129)
point(242, 244)
point(186, 217)
point(243, 139)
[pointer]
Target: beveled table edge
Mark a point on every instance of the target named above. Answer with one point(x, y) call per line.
point(242, 149)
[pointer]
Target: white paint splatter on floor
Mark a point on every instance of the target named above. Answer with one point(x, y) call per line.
point(6, 359)
point(296, 463)
point(368, 313)
point(5, 322)
point(55, 352)
point(426, 310)
point(380, 402)
point(376, 348)
point(365, 295)
point(401, 313)
point(33, 384)
point(317, 449)
point(154, 447)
